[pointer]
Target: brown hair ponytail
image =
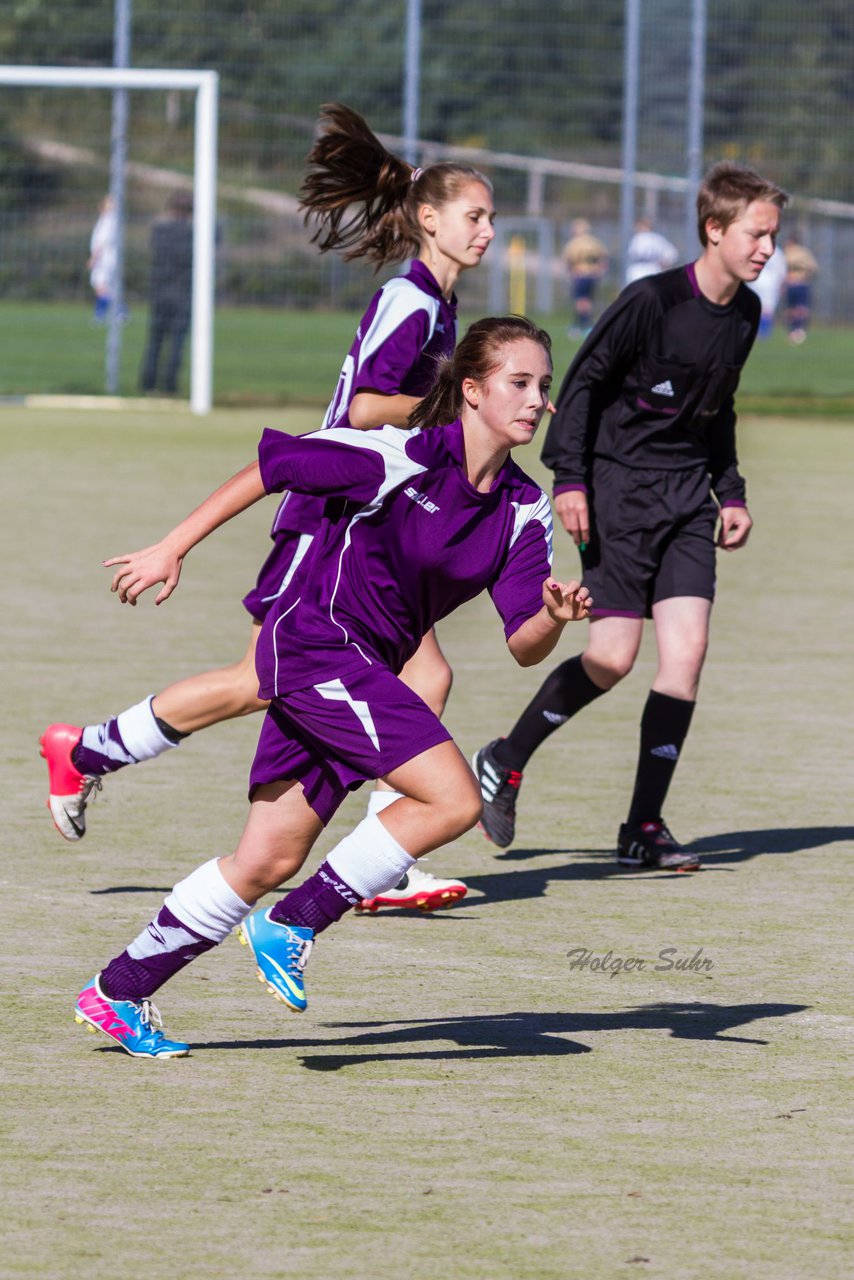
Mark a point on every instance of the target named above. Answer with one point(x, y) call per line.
point(363, 198)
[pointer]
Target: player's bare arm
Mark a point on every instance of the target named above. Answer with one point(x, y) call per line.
point(562, 602)
point(371, 409)
point(162, 561)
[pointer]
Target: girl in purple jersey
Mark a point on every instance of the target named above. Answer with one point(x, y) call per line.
point(414, 524)
point(366, 203)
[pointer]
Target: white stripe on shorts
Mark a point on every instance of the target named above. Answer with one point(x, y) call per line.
point(334, 691)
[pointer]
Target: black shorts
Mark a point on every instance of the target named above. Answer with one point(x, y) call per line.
point(652, 537)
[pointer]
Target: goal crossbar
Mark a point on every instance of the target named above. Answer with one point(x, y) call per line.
point(205, 85)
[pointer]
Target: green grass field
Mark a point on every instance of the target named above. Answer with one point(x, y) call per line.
point(458, 1101)
point(285, 357)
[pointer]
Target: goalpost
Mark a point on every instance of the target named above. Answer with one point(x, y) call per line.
point(205, 85)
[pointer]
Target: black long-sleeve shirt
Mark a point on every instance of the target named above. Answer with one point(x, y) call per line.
point(172, 261)
point(653, 386)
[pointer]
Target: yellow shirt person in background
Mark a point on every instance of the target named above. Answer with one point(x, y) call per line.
point(586, 260)
point(801, 267)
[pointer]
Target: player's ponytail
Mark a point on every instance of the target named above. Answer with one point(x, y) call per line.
point(364, 199)
point(479, 353)
point(443, 402)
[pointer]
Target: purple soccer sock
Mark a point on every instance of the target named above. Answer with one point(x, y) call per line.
point(97, 761)
point(317, 903)
point(162, 949)
point(133, 735)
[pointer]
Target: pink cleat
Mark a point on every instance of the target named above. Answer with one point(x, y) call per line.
point(69, 788)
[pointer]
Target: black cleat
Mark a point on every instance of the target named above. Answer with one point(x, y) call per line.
point(499, 787)
point(651, 847)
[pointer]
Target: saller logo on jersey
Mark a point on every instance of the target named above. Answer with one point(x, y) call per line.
point(663, 389)
point(421, 499)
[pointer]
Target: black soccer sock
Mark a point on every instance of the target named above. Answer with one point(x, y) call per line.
point(664, 727)
point(561, 695)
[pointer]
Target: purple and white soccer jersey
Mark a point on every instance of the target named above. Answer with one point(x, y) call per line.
point(408, 327)
point(405, 539)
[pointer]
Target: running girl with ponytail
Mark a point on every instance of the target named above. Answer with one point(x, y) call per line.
point(363, 202)
point(426, 520)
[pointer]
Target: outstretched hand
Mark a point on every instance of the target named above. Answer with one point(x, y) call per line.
point(143, 569)
point(566, 601)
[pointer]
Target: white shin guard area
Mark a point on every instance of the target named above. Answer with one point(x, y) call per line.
point(369, 859)
point(206, 903)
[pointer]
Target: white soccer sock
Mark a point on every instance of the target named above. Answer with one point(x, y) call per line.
point(141, 736)
point(369, 859)
point(380, 800)
point(141, 733)
point(206, 902)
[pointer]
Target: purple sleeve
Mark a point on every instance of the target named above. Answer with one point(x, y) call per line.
point(320, 465)
point(517, 592)
point(385, 368)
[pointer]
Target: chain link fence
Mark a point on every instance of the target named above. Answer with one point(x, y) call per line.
point(533, 93)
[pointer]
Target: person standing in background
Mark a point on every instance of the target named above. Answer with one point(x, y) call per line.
point(649, 252)
point(170, 293)
point(801, 266)
point(768, 287)
point(586, 260)
point(103, 259)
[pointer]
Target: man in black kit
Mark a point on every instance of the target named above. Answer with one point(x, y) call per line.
point(643, 436)
point(170, 293)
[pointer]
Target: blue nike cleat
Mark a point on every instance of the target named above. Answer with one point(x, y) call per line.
point(281, 952)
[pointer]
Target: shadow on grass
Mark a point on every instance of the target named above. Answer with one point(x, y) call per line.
point(514, 1035)
point(717, 851)
point(738, 846)
point(131, 888)
point(505, 885)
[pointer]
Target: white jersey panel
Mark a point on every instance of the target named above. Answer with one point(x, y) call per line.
point(390, 443)
point(400, 299)
point(540, 510)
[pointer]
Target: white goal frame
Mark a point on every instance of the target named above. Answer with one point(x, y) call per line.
point(205, 85)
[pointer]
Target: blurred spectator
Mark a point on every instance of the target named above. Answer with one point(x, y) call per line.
point(769, 287)
point(170, 293)
point(103, 258)
point(649, 252)
point(586, 260)
point(801, 266)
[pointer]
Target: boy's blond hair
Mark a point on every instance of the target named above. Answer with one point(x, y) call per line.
point(727, 190)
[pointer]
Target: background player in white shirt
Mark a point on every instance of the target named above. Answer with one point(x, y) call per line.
point(648, 252)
